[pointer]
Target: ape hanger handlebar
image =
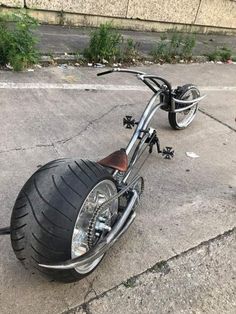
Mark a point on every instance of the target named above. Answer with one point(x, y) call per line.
point(150, 80)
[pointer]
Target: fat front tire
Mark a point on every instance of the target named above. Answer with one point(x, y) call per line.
point(46, 211)
point(181, 120)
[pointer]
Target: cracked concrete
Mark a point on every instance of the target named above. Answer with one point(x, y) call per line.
point(214, 118)
point(186, 201)
point(65, 140)
point(176, 285)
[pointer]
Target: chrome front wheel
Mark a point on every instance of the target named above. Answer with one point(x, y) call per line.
point(181, 120)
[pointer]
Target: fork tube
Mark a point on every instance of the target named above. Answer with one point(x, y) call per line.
point(141, 123)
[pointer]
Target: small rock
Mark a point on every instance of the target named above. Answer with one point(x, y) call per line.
point(115, 64)
point(192, 155)
point(38, 66)
point(90, 64)
point(63, 66)
point(99, 65)
point(181, 61)
point(219, 62)
point(30, 70)
point(104, 61)
point(148, 62)
point(77, 64)
point(9, 67)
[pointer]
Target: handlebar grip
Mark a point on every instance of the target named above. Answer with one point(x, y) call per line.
point(105, 72)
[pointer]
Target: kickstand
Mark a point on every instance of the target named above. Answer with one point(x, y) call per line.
point(4, 231)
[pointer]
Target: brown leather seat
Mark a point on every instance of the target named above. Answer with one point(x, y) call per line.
point(117, 160)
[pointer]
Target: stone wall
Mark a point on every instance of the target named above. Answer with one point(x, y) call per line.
point(197, 13)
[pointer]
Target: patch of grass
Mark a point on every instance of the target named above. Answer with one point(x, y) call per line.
point(17, 43)
point(105, 44)
point(188, 43)
point(220, 54)
point(129, 51)
point(130, 283)
point(161, 267)
point(178, 46)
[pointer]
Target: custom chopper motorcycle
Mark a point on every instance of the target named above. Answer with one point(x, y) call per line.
point(71, 211)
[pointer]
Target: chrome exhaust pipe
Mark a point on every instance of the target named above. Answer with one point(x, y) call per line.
point(117, 231)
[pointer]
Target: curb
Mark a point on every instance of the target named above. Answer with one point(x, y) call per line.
point(53, 59)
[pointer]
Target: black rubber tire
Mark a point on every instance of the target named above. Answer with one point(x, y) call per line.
point(172, 116)
point(46, 210)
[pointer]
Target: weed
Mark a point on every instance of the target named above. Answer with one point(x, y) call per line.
point(220, 54)
point(189, 43)
point(162, 267)
point(17, 43)
point(108, 44)
point(175, 44)
point(178, 46)
point(105, 43)
point(129, 51)
point(163, 36)
point(61, 17)
point(160, 52)
point(233, 58)
point(130, 283)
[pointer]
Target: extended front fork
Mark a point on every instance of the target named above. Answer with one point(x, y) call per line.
point(168, 153)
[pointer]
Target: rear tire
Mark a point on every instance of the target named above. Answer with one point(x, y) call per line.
point(187, 92)
point(45, 213)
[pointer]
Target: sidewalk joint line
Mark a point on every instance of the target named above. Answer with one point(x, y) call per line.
point(217, 120)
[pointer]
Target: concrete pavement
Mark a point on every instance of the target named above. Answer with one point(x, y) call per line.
point(200, 280)
point(186, 201)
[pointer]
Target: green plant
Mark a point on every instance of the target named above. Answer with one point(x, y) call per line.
point(130, 283)
point(175, 44)
point(220, 54)
point(160, 51)
point(17, 43)
point(129, 51)
point(226, 54)
point(178, 46)
point(188, 43)
point(105, 43)
point(163, 36)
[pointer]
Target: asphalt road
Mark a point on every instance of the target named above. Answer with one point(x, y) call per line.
point(61, 39)
point(51, 113)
